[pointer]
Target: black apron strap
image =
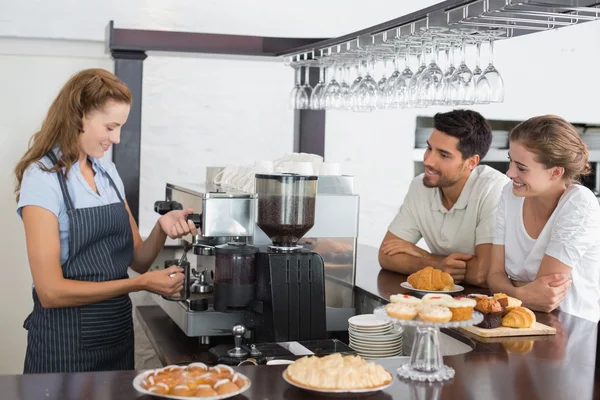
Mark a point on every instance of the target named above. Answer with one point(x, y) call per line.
point(62, 181)
point(112, 183)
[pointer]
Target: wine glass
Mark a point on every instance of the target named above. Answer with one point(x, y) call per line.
point(490, 84)
point(430, 82)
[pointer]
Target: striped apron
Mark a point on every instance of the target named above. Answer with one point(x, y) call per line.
point(95, 337)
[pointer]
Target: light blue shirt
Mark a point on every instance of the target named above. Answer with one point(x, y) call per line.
point(41, 188)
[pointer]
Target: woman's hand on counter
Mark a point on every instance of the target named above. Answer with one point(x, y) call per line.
point(175, 224)
point(545, 293)
point(165, 282)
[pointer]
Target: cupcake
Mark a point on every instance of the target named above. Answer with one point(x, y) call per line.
point(402, 311)
point(434, 313)
point(437, 299)
point(461, 308)
point(491, 310)
point(405, 298)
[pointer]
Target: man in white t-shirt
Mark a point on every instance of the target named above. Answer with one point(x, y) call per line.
point(452, 206)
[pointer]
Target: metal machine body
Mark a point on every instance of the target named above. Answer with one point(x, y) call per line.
point(228, 215)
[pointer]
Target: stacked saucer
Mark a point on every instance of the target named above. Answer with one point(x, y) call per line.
point(371, 337)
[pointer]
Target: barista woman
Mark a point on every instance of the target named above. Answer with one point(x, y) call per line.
point(81, 236)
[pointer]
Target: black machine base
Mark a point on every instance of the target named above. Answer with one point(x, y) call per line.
point(228, 297)
point(290, 297)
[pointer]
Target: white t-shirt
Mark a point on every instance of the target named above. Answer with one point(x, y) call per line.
point(470, 222)
point(571, 235)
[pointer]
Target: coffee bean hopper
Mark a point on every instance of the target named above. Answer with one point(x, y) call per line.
point(290, 280)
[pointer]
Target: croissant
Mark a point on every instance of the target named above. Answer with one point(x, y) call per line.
point(519, 317)
point(430, 278)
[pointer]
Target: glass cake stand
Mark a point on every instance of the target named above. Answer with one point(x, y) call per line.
point(426, 362)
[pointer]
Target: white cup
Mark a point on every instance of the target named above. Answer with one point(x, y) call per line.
point(302, 168)
point(330, 168)
point(263, 167)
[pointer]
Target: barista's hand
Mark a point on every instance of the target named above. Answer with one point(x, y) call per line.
point(456, 265)
point(546, 292)
point(161, 282)
point(175, 225)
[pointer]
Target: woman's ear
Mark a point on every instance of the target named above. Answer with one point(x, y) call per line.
point(557, 173)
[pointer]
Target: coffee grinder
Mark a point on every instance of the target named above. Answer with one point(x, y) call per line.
point(289, 303)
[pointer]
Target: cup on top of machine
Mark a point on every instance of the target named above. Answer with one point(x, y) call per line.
point(331, 169)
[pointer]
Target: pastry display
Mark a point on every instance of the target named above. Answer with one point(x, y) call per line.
point(195, 380)
point(461, 308)
point(405, 298)
point(335, 372)
point(402, 310)
point(491, 310)
point(434, 307)
point(430, 278)
point(519, 317)
point(433, 313)
point(437, 299)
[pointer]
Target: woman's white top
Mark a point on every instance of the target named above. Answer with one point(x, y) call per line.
point(571, 235)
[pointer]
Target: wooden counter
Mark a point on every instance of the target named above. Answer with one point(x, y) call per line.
point(562, 366)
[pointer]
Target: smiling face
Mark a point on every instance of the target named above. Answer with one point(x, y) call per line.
point(530, 178)
point(102, 128)
point(444, 164)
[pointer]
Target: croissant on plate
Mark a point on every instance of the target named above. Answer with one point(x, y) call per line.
point(430, 278)
point(519, 317)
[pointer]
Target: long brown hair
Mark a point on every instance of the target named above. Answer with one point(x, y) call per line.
point(556, 143)
point(84, 92)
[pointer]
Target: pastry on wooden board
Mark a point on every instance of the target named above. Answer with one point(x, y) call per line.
point(507, 302)
point(491, 310)
point(519, 317)
point(430, 278)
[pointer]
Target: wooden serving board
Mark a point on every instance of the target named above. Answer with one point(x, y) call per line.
point(536, 329)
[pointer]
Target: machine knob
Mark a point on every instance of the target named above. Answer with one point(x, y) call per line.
point(196, 219)
point(163, 207)
point(238, 333)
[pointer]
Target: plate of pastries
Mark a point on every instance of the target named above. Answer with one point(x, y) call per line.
point(501, 310)
point(433, 307)
point(337, 375)
point(195, 381)
point(431, 280)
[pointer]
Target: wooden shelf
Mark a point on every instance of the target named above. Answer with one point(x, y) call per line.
point(499, 155)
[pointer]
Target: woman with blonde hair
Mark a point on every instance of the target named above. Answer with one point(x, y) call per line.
point(81, 236)
point(546, 249)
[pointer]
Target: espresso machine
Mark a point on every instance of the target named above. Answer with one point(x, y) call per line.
point(274, 265)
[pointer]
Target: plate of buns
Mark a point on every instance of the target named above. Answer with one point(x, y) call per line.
point(195, 381)
point(337, 376)
point(431, 280)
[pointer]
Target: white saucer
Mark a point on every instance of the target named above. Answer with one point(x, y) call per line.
point(367, 321)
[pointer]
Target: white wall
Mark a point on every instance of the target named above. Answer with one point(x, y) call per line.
point(200, 111)
point(31, 73)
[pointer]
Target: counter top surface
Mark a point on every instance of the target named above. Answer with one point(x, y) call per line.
point(561, 366)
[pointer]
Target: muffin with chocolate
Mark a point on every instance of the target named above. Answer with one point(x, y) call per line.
point(491, 310)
